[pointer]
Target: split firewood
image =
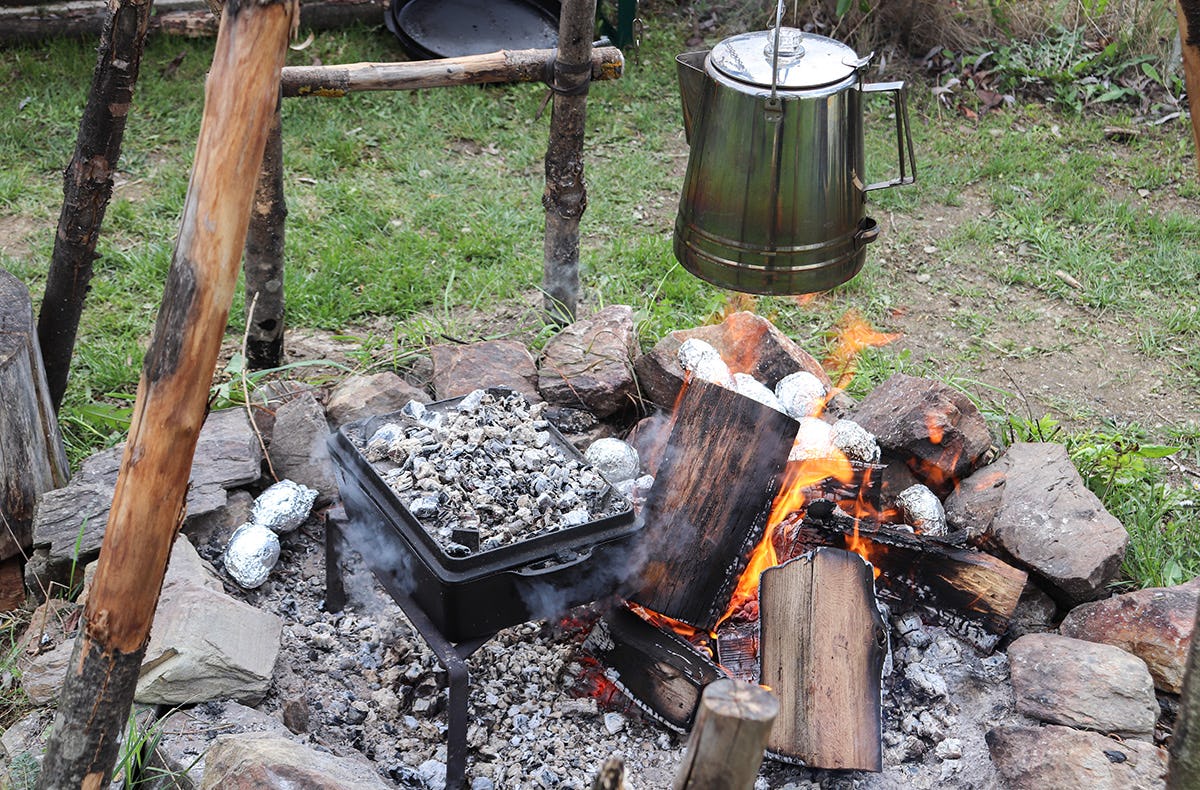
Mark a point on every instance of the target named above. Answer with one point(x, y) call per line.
point(661, 671)
point(725, 748)
point(968, 591)
point(711, 499)
point(822, 652)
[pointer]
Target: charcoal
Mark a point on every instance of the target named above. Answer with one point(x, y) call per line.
point(489, 464)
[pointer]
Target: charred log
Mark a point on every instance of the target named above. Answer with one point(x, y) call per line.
point(658, 669)
point(957, 587)
point(711, 500)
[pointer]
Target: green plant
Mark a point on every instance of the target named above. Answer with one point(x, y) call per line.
point(138, 764)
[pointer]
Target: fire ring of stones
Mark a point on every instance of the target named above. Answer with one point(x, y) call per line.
point(487, 472)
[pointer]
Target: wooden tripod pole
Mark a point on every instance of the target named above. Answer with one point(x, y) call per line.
point(239, 107)
point(1188, 14)
point(565, 198)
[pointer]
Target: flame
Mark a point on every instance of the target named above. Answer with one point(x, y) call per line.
point(699, 638)
point(862, 547)
point(936, 429)
point(854, 334)
point(798, 476)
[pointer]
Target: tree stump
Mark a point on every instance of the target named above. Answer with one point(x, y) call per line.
point(32, 459)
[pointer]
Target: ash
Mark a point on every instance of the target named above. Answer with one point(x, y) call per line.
point(487, 473)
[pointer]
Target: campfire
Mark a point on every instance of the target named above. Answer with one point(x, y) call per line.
point(772, 547)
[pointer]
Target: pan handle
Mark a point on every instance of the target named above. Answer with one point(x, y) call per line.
point(903, 133)
point(533, 573)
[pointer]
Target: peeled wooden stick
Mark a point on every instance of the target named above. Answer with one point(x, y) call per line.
point(518, 65)
point(172, 397)
point(726, 745)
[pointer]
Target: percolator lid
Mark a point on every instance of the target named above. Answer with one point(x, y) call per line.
point(806, 60)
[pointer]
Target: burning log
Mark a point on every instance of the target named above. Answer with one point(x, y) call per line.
point(823, 646)
point(737, 650)
point(660, 670)
point(726, 745)
point(969, 591)
point(710, 503)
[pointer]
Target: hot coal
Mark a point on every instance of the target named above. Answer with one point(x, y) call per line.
point(490, 465)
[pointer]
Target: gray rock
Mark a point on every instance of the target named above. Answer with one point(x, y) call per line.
point(1034, 505)
point(24, 743)
point(931, 426)
point(747, 342)
point(1041, 758)
point(227, 455)
point(589, 364)
point(186, 734)
point(462, 368)
point(205, 645)
point(1154, 624)
point(211, 532)
point(433, 774)
point(298, 450)
point(1082, 684)
point(42, 675)
point(366, 396)
point(255, 761)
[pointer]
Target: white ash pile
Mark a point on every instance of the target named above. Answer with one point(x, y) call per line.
point(487, 472)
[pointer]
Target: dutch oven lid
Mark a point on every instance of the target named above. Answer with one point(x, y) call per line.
point(806, 60)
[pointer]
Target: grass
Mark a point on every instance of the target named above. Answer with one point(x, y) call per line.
point(417, 215)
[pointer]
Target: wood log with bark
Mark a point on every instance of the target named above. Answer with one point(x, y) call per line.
point(32, 458)
point(524, 65)
point(823, 646)
point(26, 22)
point(565, 197)
point(263, 266)
point(88, 185)
point(968, 591)
point(240, 98)
point(1188, 16)
point(710, 502)
point(725, 748)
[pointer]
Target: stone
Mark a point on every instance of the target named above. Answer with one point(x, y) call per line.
point(1040, 758)
point(266, 399)
point(24, 744)
point(1081, 684)
point(460, 368)
point(205, 645)
point(254, 761)
point(1154, 624)
point(298, 450)
point(185, 734)
point(589, 364)
point(748, 343)
point(1033, 505)
point(935, 429)
point(210, 533)
point(366, 396)
point(227, 455)
point(42, 676)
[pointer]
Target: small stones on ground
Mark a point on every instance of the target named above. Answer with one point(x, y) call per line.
point(614, 722)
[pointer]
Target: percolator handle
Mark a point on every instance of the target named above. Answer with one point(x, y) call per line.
point(903, 133)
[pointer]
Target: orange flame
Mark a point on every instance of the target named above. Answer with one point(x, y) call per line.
point(854, 334)
point(699, 638)
point(936, 430)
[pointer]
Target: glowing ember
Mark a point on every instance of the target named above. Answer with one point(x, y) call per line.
point(699, 639)
point(936, 430)
point(854, 334)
